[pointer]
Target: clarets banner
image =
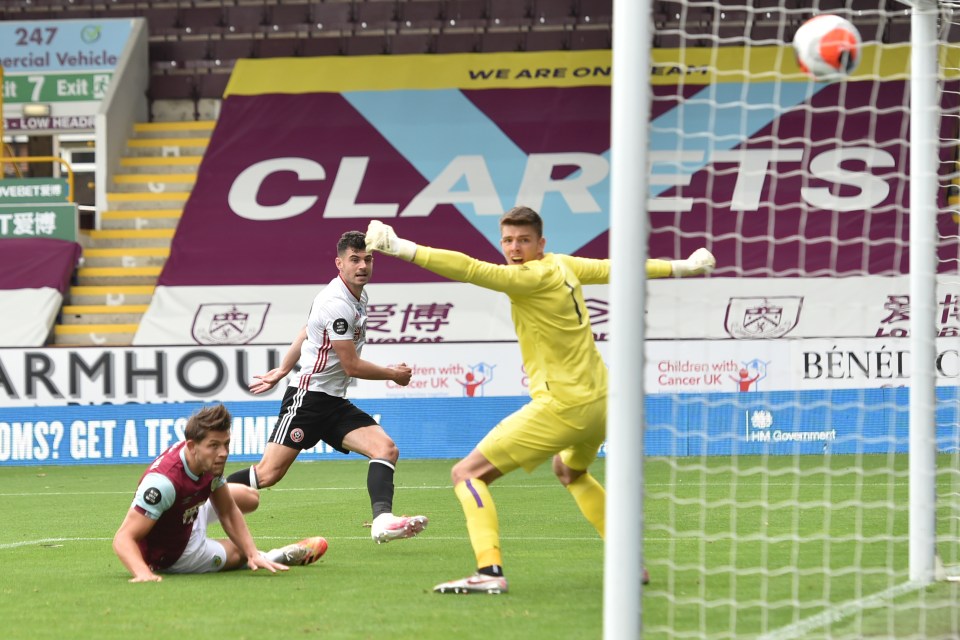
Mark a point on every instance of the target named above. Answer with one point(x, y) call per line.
point(779, 176)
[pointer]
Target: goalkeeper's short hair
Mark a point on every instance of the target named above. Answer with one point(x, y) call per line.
point(523, 217)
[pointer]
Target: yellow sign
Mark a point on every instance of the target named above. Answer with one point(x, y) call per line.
point(693, 65)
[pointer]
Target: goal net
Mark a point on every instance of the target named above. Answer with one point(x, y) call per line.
point(778, 391)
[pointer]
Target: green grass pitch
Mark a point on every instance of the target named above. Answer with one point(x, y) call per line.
point(60, 578)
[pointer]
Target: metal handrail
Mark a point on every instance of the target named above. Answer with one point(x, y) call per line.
point(48, 159)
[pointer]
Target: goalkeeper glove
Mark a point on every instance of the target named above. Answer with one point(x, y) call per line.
point(700, 263)
point(381, 237)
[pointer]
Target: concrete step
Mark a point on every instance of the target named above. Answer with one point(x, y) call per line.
point(160, 164)
point(153, 182)
point(143, 219)
point(103, 314)
point(94, 334)
point(164, 200)
point(127, 238)
point(111, 295)
point(126, 257)
point(97, 276)
point(191, 146)
point(169, 129)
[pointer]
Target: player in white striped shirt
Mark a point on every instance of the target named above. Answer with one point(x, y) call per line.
point(315, 407)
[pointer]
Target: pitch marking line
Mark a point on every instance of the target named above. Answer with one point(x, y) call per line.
point(54, 541)
point(43, 541)
point(836, 614)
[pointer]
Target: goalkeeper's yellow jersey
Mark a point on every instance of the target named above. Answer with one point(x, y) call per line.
point(550, 316)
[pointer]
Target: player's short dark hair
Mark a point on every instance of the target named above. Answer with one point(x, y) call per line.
point(213, 418)
point(523, 217)
point(356, 240)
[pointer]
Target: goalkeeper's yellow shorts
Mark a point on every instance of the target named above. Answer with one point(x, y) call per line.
point(542, 428)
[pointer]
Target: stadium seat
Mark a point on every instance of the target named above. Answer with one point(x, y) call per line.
point(766, 33)
point(202, 20)
point(547, 40)
point(583, 39)
point(332, 16)
point(668, 39)
point(162, 20)
point(554, 12)
point(280, 47)
point(723, 15)
point(226, 51)
point(871, 27)
point(171, 87)
point(288, 17)
point(596, 11)
point(729, 33)
point(402, 43)
point(367, 44)
point(897, 31)
point(36, 13)
point(456, 42)
point(465, 14)
point(322, 46)
point(212, 85)
point(178, 53)
point(510, 13)
point(244, 18)
point(374, 15)
point(830, 6)
point(109, 10)
point(420, 15)
point(781, 4)
point(868, 7)
point(506, 41)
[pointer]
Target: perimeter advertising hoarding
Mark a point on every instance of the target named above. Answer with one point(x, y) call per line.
point(78, 406)
point(144, 375)
point(701, 308)
point(864, 421)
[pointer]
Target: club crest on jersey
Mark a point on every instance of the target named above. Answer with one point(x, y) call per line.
point(229, 323)
point(297, 435)
point(763, 317)
point(340, 326)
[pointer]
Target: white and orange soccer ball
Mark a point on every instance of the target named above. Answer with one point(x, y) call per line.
point(828, 47)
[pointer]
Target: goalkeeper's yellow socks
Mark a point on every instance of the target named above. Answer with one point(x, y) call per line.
point(591, 498)
point(482, 523)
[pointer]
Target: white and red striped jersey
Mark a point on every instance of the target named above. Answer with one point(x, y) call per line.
point(336, 314)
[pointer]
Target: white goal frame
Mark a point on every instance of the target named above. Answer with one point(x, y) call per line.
point(623, 550)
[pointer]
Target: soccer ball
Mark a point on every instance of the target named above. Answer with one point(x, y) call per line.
point(828, 47)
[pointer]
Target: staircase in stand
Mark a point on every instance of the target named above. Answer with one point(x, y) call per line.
point(123, 259)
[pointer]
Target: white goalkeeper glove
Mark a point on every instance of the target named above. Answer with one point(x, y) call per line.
point(700, 263)
point(381, 237)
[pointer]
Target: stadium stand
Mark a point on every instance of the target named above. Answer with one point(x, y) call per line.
point(193, 46)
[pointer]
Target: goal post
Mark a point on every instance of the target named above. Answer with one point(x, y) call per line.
point(630, 114)
point(796, 411)
point(924, 185)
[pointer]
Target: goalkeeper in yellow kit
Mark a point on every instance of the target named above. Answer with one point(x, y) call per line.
point(566, 417)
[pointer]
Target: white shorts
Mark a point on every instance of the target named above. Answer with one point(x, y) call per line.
point(202, 554)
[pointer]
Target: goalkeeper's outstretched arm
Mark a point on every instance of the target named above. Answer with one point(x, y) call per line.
point(700, 263)
point(381, 237)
